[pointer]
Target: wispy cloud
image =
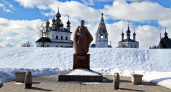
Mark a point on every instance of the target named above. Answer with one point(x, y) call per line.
point(6, 6)
point(88, 2)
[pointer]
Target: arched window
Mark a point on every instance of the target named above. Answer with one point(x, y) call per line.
point(101, 36)
point(61, 37)
point(66, 38)
point(56, 37)
point(106, 36)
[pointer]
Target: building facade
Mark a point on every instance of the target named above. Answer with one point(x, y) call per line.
point(56, 35)
point(128, 42)
point(101, 35)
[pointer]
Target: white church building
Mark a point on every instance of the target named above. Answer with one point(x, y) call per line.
point(56, 35)
point(101, 36)
point(128, 42)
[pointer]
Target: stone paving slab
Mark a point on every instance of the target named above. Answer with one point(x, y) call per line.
point(51, 84)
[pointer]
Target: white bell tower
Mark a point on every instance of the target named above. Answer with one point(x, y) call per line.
point(101, 35)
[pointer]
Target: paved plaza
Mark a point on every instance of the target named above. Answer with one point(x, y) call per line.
point(51, 84)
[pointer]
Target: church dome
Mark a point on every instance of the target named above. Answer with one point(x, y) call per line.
point(122, 34)
point(58, 15)
point(134, 34)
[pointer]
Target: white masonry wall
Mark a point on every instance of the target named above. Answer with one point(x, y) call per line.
point(129, 44)
point(52, 44)
point(102, 42)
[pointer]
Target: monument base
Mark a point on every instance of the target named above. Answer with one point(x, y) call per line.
point(81, 61)
point(81, 78)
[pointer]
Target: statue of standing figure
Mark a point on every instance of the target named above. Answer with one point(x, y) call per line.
point(82, 39)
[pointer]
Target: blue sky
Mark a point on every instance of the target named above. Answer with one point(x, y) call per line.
point(19, 18)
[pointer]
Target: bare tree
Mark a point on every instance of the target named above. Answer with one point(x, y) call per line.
point(42, 31)
point(27, 44)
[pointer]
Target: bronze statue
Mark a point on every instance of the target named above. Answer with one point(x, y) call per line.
point(82, 39)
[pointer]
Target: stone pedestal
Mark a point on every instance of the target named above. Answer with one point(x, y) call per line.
point(20, 76)
point(83, 78)
point(137, 79)
point(81, 61)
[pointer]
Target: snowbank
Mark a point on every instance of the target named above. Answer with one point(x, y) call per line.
point(8, 74)
point(82, 72)
point(154, 64)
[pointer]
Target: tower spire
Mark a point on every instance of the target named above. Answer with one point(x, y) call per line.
point(110, 44)
point(128, 33)
point(102, 20)
point(134, 34)
point(122, 30)
point(53, 20)
point(122, 35)
point(102, 13)
point(58, 15)
point(128, 25)
point(47, 24)
point(165, 34)
point(68, 24)
point(102, 26)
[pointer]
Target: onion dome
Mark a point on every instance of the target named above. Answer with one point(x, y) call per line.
point(68, 23)
point(58, 15)
point(165, 34)
point(134, 34)
point(128, 33)
point(53, 21)
point(47, 23)
point(122, 33)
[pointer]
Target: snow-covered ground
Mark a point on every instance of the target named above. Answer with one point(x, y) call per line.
point(154, 64)
point(82, 72)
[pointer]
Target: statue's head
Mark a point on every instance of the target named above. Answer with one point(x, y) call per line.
point(82, 22)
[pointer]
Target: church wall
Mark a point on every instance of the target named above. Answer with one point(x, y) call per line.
point(133, 45)
point(123, 43)
point(52, 44)
point(129, 44)
point(49, 34)
point(61, 34)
